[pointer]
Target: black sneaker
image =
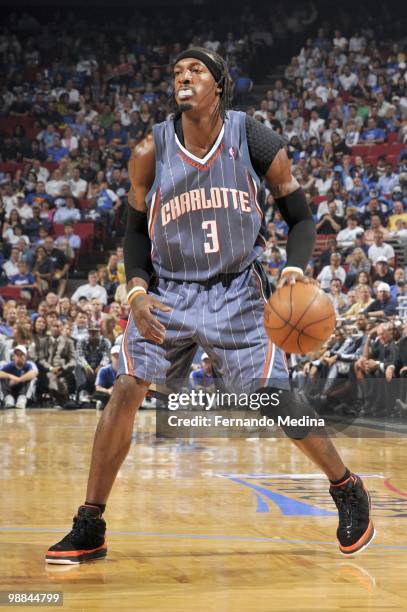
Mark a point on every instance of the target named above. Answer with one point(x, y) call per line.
point(355, 530)
point(85, 542)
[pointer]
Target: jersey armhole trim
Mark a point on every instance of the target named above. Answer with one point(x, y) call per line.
point(158, 155)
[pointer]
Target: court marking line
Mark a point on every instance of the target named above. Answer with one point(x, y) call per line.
point(197, 536)
point(393, 488)
point(290, 476)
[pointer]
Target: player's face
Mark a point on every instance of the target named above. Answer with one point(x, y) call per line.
point(194, 85)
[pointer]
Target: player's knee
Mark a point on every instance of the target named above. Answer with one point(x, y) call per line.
point(128, 392)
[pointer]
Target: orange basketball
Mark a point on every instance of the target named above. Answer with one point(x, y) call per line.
point(299, 318)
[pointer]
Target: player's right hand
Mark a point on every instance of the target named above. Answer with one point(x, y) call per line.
point(147, 324)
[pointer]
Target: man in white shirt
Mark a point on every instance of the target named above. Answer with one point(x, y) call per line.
point(334, 270)
point(347, 236)
point(333, 127)
point(41, 172)
point(348, 79)
point(356, 42)
point(324, 183)
point(340, 41)
point(54, 186)
point(91, 290)
point(381, 249)
point(9, 198)
point(68, 213)
point(10, 267)
point(316, 125)
point(77, 185)
point(72, 92)
point(23, 209)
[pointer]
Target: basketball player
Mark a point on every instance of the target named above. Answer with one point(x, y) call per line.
point(195, 222)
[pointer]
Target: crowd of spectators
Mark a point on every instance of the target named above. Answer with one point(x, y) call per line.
point(74, 103)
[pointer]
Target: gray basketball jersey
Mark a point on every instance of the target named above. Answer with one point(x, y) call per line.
point(204, 217)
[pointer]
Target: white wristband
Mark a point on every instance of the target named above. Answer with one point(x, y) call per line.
point(134, 290)
point(290, 269)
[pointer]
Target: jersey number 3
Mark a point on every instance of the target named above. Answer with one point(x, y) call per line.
point(211, 234)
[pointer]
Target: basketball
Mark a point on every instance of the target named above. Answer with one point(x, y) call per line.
point(299, 318)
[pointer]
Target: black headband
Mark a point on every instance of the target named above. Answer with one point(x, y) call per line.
point(205, 59)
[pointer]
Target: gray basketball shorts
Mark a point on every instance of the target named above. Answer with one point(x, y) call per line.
point(224, 316)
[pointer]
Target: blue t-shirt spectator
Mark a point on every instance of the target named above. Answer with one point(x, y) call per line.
point(11, 368)
point(200, 378)
point(373, 134)
point(56, 153)
point(106, 376)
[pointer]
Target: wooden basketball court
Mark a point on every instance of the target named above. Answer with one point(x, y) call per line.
point(210, 525)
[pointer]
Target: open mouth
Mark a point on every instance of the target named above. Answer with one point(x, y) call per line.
point(185, 94)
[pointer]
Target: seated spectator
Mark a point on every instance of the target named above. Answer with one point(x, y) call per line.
point(13, 232)
point(53, 187)
point(372, 134)
point(24, 278)
point(69, 141)
point(376, 226)
point(107, 202)
point(91, 289)
point(96, 309)
point(347, 236)
point(388, 181)
point(92, 355)
point(59, 363)
point(64, 307)
point(17, 379)
point(384, 305)
point(110, 328)
point(382, 271)
point(104, 281)
point(325, 257)
point(10, 266)
point(105, 379)
point(77, 185)
point(334, 270)
point(74, 240)
point(42, 269)
point(67, 213)
point(203, 377)
point(378, 351)
point(363, 300)
point(381, 249)
point(9, 320)
point(399, 281)
point(56, 151)
point(24, 210)
point(80, 326)
point(330, 222)
point(39, 196)
point(358, 262)
point(280, 226)
point(32, 226)
point(337, 297)
point(397, 214)
point(60, 264)
point(275, 265)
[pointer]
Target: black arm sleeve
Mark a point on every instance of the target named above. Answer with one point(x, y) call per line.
point(264, 144)
point(137, 246)
point(301, 236)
